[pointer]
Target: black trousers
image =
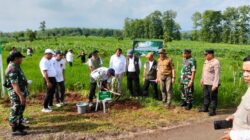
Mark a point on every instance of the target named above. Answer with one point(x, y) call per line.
point(70, 64)
point(133, 82)
point(146, 85)
point(210, 97)
point(60, 91)
point(48, 100)
point(93, 88)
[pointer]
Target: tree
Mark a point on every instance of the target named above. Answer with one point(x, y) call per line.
point(197, 22)
point(171, 29)
point(42, 26)
point(243, 24)
point(30, 35)
point(230, 17)
point(155, 26)
point(211, 26)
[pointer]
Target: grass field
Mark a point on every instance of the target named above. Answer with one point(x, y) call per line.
point(77, 81)
point(77, 77)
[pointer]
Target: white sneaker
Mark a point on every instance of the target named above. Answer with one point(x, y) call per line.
point(50, 107)
point(58, 105)
point(91, 104)
point(62, 103)
point(45, 110)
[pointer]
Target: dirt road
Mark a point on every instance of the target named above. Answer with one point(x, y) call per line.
point(198, 131)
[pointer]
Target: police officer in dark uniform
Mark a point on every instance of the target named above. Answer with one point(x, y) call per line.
point(16, 85)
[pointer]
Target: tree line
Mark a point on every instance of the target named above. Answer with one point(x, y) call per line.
point(229, 26)
point(156, 25)
point(43, 33)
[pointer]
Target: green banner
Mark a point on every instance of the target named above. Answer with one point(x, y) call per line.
point(143, 47)
point(102, 95)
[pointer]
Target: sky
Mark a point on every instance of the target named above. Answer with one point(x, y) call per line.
point(17, 15)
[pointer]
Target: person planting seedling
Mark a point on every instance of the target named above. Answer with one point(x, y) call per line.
point(101, 77)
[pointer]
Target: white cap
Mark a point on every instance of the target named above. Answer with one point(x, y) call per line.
point(49, 51)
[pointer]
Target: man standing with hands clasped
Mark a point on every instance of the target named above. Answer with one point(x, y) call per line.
point(166, 76)
point(118, 63)
point(133, 67)
point(187, 79)
point(59, 65)
point(210, 82)
point(49, 75)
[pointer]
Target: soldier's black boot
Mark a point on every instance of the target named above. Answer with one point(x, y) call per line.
point(212, 113)
point(183, 104)
point(189, 106)
point(204, 109)
point(17, 131)
point(23, 127)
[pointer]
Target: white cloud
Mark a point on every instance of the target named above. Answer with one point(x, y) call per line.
point(23, 14)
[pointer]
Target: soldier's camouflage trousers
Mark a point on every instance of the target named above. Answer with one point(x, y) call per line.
point(16, 110)
point(186, 93)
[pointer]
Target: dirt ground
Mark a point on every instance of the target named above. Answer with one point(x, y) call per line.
point(202, 130)
point(192, 130)
point(198, 131)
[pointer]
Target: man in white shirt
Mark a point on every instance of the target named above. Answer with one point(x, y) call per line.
point(118, 63)
point(59, 65)
point(133, 67)
point(49, 73)
point(101, 76)
point(69, 57)
point(241, 118)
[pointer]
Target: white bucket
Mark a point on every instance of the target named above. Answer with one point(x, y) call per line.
point(81, 107)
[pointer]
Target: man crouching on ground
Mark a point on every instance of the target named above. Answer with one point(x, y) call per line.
point(101, 76)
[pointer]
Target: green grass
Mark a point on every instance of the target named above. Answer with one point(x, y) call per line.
point(77, 77)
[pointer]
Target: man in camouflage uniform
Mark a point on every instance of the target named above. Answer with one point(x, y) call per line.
point(187, 78)
point(16, 84)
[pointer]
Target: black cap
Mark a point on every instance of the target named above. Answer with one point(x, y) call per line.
point(187, 51)
point(58, 52)
point(111, 71)
point(17, 55)
point(209, 51)
point(95, 51)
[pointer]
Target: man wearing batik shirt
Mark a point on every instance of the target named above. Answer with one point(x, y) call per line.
point(187, 78)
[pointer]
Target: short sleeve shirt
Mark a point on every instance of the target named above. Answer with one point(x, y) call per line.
point(47, 65)
point(100, 74)
point(59, 66)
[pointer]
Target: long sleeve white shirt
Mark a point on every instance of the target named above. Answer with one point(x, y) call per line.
point(118, 63)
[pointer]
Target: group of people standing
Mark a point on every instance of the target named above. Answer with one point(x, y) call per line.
point(52, 66)
point(162, 71)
